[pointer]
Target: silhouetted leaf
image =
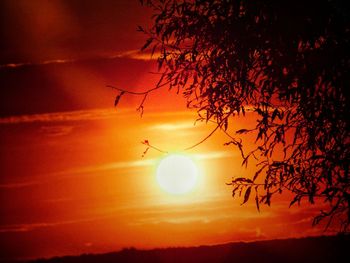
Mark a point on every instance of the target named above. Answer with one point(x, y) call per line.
point(257, 203)
point(148, 42)
point(140, 29)
point(117, 98)
point(247, 194)
point(234, 191)
point(258, 172)
point(242, 131)
point(295, 199)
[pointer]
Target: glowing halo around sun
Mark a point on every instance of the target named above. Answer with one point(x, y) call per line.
point(177, 174)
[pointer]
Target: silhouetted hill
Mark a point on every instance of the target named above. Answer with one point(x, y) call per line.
point(312, 249)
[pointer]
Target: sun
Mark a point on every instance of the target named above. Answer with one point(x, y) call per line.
point(177, 174)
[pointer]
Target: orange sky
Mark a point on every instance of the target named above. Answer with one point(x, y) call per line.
point(72, 176)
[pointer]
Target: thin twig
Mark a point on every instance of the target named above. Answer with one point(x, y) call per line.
point(153, 147)
point(141, 93)
point(204, 139)
point(132, 92)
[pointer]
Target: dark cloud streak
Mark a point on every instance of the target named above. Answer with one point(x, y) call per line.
point(59, 55)
point(68, 29)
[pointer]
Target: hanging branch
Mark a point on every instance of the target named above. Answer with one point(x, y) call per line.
point(204, 139)
point(146, 142)
point(141, 93)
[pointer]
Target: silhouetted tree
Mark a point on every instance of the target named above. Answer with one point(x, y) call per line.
point(287, 62)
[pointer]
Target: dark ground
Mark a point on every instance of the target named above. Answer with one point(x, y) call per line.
point(312, 249)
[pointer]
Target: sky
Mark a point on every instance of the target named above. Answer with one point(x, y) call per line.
point(72, 176)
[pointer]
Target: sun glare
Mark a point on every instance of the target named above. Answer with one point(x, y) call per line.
point(177, 174)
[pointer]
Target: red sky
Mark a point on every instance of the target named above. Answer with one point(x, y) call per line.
point(72, 176)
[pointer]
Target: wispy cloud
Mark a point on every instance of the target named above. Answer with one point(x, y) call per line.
point(172, 126)
point(206, 210)
point(56, 130)
point(131, 54)
point(92, 169)
point(136, 54)
point(134, 164)
point(80, 170)
point(252, 233)
point(81, 115)
point(108, 166)
point(144, 55)
point(214, 155)
point(93, 114)
point(137, 163)
point(19, 184)
point(46, 62)
point(32, 226)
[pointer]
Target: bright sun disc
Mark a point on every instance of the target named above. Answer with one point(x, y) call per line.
point(177, 174)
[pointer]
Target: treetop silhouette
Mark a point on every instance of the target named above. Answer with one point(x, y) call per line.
point(287, 62)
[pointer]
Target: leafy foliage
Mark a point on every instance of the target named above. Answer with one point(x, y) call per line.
point(287, 62)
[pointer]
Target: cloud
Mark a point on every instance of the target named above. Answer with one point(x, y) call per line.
point(214, 155)
point(138, 163)
point(46, 62)
point(81, 115)
point(134, 54)
point(19, 184)
point(135, 164)
point(252, 233)
point(93, 114)
point(81, 170)
point(33, 226)
point(172, 126)
point(108, 166)
point(207, 207)
point(204, 211)
point(84, 170)
point(144, 55)
point(57, 130)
